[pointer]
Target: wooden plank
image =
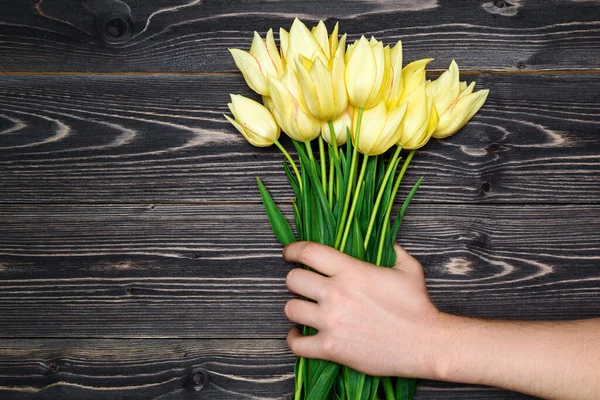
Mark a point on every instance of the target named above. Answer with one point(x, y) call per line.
point(193, 35)
point(162, 138)
point(165, 369)
point(215, 271)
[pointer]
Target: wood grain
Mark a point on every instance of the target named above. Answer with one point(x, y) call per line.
point(164, 369)
point(193, 35)
point(162, 138)
point(215, 271)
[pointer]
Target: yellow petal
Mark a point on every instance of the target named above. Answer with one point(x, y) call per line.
point(302, 42)
point(394, 87)
point(446, 88)
point(254, 121)
point(251, 71)
point(333, 39)
point(371, 127)
point(413, 76)
point(464, 109)
point(340, 96)
point(361, 72)
point(319, 32)
point(284, 38)
point(274, 53)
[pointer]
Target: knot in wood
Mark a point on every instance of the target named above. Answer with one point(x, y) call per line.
point(115, 28)
point(199, 379)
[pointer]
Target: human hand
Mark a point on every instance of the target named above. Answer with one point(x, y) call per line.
point(379, 321)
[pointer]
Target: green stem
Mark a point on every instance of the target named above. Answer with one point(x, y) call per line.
point(311, 156)
point(334, 145)
point(287, 155)
point(354, 202)
point(353, 168)
point(323, 166)
point(300, 379)
point(389, 208)
point(333, 138)
point(386, 177)
point(331, 179)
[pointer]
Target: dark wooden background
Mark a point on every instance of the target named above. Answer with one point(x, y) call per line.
point(135, 260)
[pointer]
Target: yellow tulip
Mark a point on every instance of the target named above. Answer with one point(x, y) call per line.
point(340, 126)
point(260, 63)
point(289, 110)
point(379, 128)
point(420, 119)
point(366, 72)
point(301, 42)
point(323, 87)
point(413, 76)
point(454, 100)
point(394, 87)
point(253, 121)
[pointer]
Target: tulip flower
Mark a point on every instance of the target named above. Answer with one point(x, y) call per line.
point(413, 75)
point(260, 63)
point(420, 119)
point(340, 126)
point(395, 86)
point(454, 100)
point(366, 72)
point(323, 87)
point(253, 121)
point(300, 42)
point(379, 129)
point(289, 110)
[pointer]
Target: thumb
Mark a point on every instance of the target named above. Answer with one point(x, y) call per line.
point(405, 262)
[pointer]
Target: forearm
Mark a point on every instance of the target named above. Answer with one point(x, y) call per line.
point(554, 360)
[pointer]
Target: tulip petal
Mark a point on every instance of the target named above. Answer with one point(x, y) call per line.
point(413, 76)
point(361, 72)
point(251, 71)
point(319, 32)
point(466, 107)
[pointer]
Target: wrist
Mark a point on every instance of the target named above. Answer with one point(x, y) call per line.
point(452, 338)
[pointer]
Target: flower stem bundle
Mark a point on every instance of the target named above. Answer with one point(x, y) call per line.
point(344, 107)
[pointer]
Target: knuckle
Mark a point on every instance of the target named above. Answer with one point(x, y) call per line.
point(329, 347)
point(307, 252)
point(335, 295)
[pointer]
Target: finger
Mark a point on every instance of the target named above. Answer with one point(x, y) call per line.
point(306, 283)
point(302, 312)
point(406, 262)
point(303, 346)
point(322, 258)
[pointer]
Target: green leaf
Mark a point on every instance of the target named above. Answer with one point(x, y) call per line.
point(388, 388)
point(366, 390)
point(279, 224)
point(306, 210)
point(368, 201)
point(405, 388)
point(327, 374)
point(404, 207)
point(298, 373)
point(297, 218)
point(375, 380)
point(340, 387)
point(291, 178)
point(317, 189)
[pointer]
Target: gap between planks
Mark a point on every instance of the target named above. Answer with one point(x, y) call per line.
point(435, 72)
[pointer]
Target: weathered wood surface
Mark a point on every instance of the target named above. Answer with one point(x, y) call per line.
point(189, 271)
point(162, 138)
point(133, 249)
point(193, 35)
point(166, 369)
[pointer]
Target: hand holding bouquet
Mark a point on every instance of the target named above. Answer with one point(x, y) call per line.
point(325, 94)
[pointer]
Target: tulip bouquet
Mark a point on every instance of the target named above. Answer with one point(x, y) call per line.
point(353, 103)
